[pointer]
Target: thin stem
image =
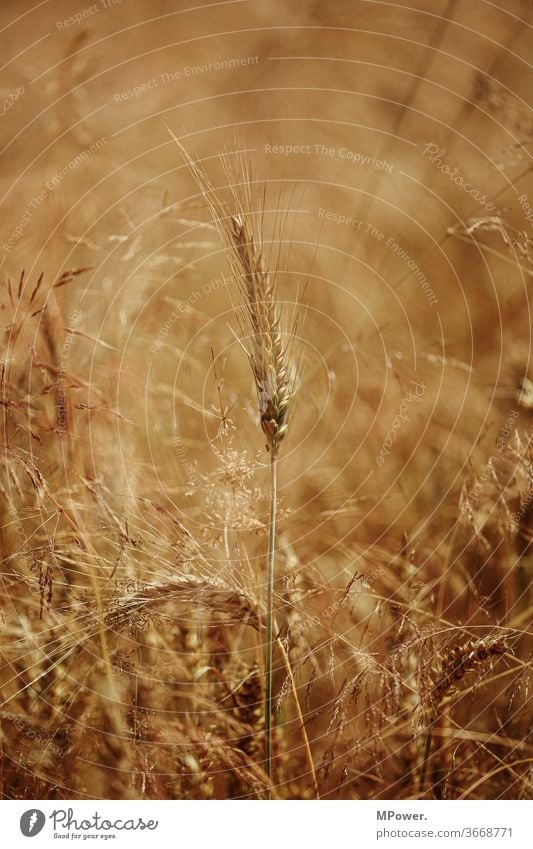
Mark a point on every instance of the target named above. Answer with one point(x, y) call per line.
point(427, 752)
point(300, 717)
point(270, 616)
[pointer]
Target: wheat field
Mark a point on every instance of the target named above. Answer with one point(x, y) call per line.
point(215, 215)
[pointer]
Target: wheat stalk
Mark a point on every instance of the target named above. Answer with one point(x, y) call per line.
point(264, 331)
point(274, 380)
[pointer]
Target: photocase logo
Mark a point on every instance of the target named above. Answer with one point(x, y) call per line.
point(32, 822)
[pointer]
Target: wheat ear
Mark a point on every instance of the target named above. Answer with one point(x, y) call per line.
point(274, 377)
point(457, 661)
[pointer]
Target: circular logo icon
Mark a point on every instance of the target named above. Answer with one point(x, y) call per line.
point(32, 822)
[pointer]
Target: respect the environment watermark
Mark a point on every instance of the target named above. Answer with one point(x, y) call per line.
point(184, 73)
point(389, 242)
point(50, 186)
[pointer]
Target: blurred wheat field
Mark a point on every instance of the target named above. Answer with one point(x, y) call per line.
point(386, 154)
